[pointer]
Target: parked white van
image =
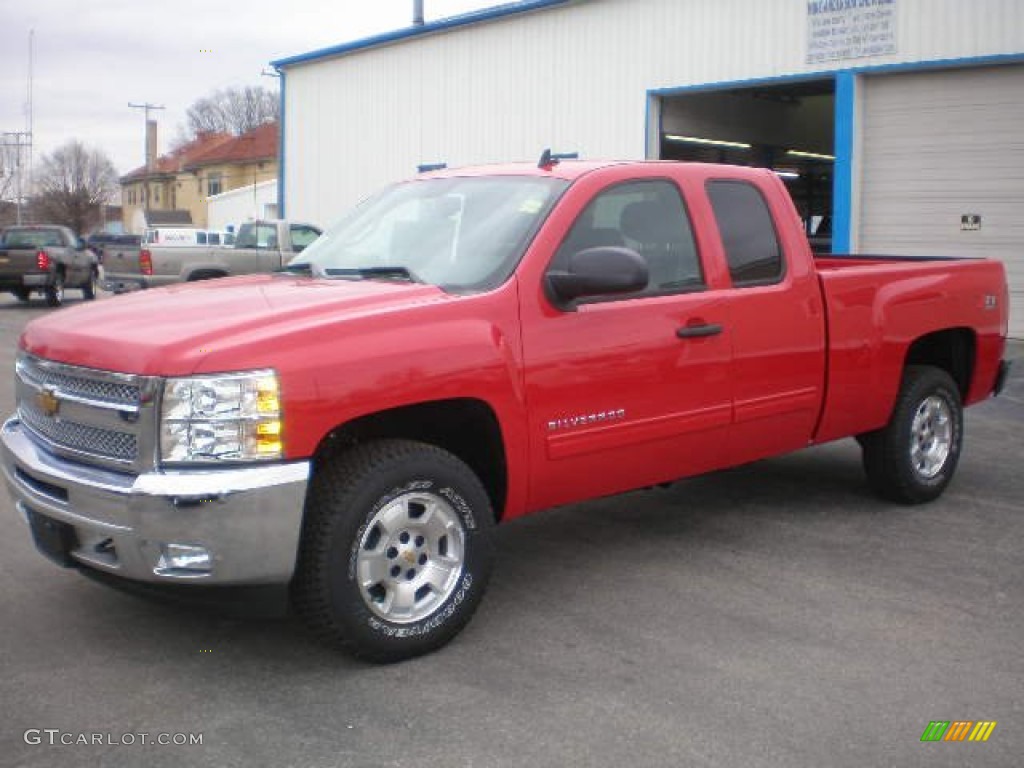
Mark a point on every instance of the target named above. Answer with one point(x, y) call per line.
point(186, 236)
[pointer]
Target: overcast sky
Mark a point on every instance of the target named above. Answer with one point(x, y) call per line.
point(92, 57)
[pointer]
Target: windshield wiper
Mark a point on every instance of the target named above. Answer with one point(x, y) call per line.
point(368, 273)
point(304, 268)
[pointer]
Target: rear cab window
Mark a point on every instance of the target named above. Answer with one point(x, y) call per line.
point(302, 235)
point(749, 239)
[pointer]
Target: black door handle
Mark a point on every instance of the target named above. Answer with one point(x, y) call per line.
point(699, 331)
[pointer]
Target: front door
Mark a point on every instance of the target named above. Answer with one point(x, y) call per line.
point(629, 390)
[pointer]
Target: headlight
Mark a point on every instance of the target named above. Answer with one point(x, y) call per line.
point(229, 417)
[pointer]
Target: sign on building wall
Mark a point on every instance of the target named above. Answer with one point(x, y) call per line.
point(850, 29)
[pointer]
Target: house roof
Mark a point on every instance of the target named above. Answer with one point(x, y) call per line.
point(261, 143)
point(462, 20)
point(178, 159)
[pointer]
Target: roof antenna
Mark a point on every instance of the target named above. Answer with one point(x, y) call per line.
point(549, 159)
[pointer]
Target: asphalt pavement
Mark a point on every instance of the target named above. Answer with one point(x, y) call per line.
point(772, 615)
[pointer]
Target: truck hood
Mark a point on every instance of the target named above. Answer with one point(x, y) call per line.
point(188, 328)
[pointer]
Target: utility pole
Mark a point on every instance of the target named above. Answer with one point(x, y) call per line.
point(17, 141)
point(148, 160)
point(28, 109)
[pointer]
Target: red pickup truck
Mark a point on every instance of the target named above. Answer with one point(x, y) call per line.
point(469, 347)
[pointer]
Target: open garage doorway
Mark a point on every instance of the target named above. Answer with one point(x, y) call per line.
point(788, 127)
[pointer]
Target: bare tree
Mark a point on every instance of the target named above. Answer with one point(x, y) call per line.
point(72, 184)
point(233, 110)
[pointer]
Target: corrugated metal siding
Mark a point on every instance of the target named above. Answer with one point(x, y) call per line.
point(940, 145)
point(572, 77)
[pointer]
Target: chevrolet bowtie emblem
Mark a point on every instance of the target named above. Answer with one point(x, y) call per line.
point(48, 402)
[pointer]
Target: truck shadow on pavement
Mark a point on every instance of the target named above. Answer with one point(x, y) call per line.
point(545, 554)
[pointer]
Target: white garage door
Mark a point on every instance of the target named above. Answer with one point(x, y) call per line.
point(939, 147)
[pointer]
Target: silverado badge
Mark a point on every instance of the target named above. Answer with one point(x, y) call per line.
point(48, 402)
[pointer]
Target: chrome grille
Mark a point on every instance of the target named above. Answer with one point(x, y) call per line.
point(94, 416)
point(119, 446)
point(82, 386)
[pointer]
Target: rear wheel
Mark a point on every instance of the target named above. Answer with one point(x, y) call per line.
point(396, 549)
point(205, 276)
point(55, 292)
point(90, 288)
point(913, 458)
point(22, 294)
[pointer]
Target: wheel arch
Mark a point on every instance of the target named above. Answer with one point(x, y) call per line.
point(952, 350)
point(205, 273)
point(467, 427)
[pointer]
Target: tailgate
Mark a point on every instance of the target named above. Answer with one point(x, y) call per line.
point(121, 260)
point(17, 261)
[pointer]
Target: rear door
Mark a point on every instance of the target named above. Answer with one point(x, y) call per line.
point(301, 235)
point(628, 390)
point(777, 322)
point(79, 261)
point(261, 253)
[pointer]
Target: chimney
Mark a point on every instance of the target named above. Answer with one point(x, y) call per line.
point(150, 144)
point(417, 13)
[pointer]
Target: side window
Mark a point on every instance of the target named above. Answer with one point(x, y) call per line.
point(201, 238)
point(650, 218)
point(302, 236)
point(748, 233)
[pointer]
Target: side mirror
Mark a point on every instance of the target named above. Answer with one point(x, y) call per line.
point(79, 244)
point(598, 272)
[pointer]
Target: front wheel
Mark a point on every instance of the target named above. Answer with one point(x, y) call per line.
point(90, 288)
point(396, 549)
point(913, 458)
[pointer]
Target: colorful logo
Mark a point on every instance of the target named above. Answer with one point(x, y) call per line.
point(958, 730)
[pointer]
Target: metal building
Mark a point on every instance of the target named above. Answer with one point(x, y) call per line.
point(896, 123)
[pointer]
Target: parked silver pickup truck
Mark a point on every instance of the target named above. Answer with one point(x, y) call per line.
point(46, 258)
point(260, 246)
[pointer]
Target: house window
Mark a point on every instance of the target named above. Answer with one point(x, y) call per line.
point(214, 184)
point(156, 194)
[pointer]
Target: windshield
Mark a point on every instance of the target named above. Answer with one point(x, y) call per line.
point(461, 234)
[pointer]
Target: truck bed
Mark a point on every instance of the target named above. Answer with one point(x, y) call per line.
point(876, 305)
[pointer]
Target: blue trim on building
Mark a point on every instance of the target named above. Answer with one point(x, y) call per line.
point(845, 108)
point(453, 22)
point(910, 66)
point(647, 127)
point(280, 149)
point(828, 74)
point(845, 116)
point(731, 85)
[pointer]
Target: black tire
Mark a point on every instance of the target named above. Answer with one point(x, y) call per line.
point(22, 294)
point(55, 291)
point(353, 499)
point(204, 276)
point(905, 461)
point(91, 286)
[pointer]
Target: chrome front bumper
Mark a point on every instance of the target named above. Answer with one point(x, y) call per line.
point(248, 519)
